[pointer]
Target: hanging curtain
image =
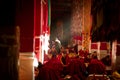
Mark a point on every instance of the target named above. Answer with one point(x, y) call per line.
point(46, 19)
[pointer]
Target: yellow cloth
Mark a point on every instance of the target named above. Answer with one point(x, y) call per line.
point(116, 74)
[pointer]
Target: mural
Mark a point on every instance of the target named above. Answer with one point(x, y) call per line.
point(77, 18)
point(81, 21)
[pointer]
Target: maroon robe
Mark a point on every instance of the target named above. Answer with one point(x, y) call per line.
point(96, 67)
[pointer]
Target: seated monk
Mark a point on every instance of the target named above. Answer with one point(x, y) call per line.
point(64, 58)
point(65, 62)
point(96, 66)
point(51, 70)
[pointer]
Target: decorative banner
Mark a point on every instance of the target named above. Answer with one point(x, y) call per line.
point(46, 13)
point(42, 22)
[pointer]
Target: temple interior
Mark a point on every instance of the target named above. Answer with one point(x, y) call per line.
point(59, 40)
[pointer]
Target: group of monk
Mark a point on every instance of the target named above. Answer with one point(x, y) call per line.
point(65, 64)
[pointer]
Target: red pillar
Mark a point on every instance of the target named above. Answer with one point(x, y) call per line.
point(37, 27)
point(25, 20)
point(41, 26)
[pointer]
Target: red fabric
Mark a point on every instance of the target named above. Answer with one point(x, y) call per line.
point(118, 50)
point(67, 59)
point(77, 38)
point(77, 67)
point(83, 53)
point(37, 17)
point(24, 19)
point(96, 66)
point(40, 23)
point(103, 46)
point(45, 25)
point(94, 46)
point(51, 70)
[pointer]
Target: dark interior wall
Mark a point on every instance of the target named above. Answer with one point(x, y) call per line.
point(62, 33)
point(61, 12)
point(25, 20)
point(14, 13)
point(7, 13)
point(105, 20)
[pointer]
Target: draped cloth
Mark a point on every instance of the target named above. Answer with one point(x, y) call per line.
point(55, 70)
point(96, 67)
point(77, 69)
point(51, 70)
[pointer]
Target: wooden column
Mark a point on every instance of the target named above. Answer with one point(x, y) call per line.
point(9, 44)
point(9, 54)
